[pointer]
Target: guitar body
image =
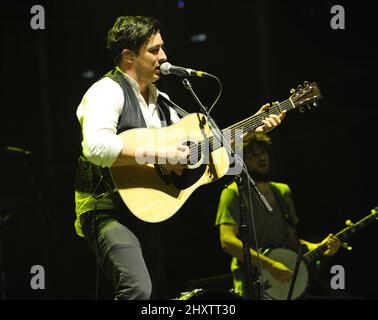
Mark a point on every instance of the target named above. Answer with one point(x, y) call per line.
point(277, 290)
point(153, 193)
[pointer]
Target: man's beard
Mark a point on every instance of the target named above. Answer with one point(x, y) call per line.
point(261, 177)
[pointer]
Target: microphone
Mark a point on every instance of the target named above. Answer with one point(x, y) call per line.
point(166, 68)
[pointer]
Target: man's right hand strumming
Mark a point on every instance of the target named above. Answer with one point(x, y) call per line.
point(279, 271)
point(177, 158)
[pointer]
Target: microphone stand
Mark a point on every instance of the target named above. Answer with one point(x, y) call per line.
point(241, 179)
point(296, 268)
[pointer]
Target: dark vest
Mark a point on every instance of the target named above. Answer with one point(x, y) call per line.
point(96, 180)
point(131, 115)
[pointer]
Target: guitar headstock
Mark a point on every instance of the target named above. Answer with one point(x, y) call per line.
point(306, 96)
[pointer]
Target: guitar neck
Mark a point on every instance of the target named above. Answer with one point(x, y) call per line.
point(255, 121)
point(250, 123)
point(343, 234)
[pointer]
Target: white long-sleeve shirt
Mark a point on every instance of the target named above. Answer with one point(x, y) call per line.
point(98, 114)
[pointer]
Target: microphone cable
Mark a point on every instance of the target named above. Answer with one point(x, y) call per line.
point(220, 90)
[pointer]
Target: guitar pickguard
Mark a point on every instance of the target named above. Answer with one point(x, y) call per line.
point(188, 177)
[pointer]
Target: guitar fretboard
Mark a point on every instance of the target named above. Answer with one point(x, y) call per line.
point(346, 232)
point(244, 126)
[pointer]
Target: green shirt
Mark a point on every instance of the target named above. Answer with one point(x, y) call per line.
point(271, 228)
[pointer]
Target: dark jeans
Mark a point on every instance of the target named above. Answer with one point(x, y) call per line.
point(128, 250)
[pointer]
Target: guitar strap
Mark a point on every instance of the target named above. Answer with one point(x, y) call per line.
point(181, 112)
point(282, 202)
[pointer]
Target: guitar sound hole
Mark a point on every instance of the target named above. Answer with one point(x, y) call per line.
point(194, 171)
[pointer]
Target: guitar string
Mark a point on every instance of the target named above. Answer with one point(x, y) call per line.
point(341, 235)
point(250, 123)
point(285, 104)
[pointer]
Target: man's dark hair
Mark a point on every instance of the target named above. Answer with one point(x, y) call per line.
point(130, 32)
point(256, 139)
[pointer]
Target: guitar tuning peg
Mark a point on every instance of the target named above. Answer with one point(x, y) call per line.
point(292, 90)
point(306, 83)
point(299, 87)
point(315, 104)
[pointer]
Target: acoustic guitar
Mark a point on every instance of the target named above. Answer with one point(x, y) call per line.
point(153, 192)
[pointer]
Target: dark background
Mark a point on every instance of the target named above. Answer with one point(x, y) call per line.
point(259, 49)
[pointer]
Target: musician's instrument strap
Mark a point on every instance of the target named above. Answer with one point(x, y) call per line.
point(174, 106)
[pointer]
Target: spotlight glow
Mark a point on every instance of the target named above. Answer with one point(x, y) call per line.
point(180, 4)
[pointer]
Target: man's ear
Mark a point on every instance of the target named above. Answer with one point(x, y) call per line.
point(128, 55)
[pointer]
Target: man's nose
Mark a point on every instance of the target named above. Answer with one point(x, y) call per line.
point(162, 56)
